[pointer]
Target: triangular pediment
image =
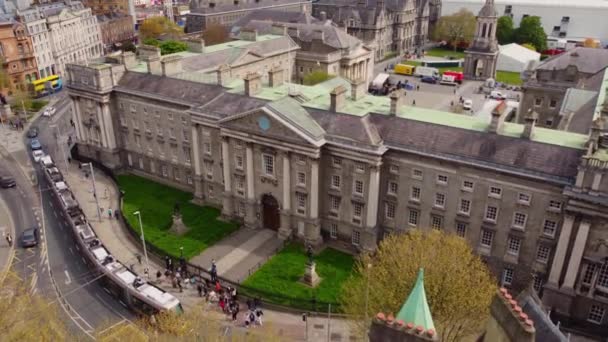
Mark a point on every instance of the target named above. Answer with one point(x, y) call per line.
point(280, 120)
point(65, 15)
point(247, 58)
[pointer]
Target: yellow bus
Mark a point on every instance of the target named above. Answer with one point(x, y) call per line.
point(47, 85)
point(404, 69)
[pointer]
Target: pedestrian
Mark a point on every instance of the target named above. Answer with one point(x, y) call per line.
point(174, 282)
point(110, 213)
point(218, 286)
point(235, 311)
point(251, 317)
point(9, 239)
point(167, 261)
point(417, 87)
point(259, 315)
point(199, 289)
point(257, 303)
point(222, 303)
point(233, 294)
point(414, 103)
point(454, 91)
point(116, 214)
point(138, 256)
point(249, 304)
point(179, 284)
point(158, 275)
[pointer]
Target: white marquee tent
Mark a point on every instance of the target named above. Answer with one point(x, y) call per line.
point(515, 58)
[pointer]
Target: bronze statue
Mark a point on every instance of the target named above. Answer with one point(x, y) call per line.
point(309, 253)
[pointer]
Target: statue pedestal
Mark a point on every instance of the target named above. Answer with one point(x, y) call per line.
point(311, 278)
point(178, 227)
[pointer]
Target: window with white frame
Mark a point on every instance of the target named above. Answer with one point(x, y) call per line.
point(241, 209)
point(588, 275)
point(507, 276)
point(176, 173)
point(333, 230)
point(300, 159)
point(465, 206)
point(239, 181)
point(357, 212)
point(336, 181)
point(334, 205)
point(301, 178)
point(413, 217)
point(461, 229)
point(513, 245)
point(337, 161)
point(467, 185)
point(238, 161)
point(417, 173)
point(393, 187)
point(523, 198)
point(519, 220)
point(491, 213)
point(537, 282)
point(171, 132)
point(163, 170)
point(209, 169)
point(487, 237)
point(189, 179)
point(602, 278)
point(358, 187)
point(542, 253)
point(301, 202)
point(207, 148)
point(186, 135)
point(187, 158)
point(555, 205)
point(549, 228)
point(356, 238)
point(495, 192)
point(389, 210)
point(442, 179)
point(596, 314)
point(415, 193)
point(440, 200)
point(268, 164)
point(359, 167)
point(436, 222)
point(394, 168)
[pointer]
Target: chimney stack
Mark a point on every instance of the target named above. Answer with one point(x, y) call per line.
point(396, 101)
point(338, 99)
point(129, 59)
point(275, 77)
point(223, 74)
point(323, 16)
point(153, 65)
point(318, 35)
point(253, 83)
point(497, 118)
point(171, 65)
point(278, 29)
point(357, 89)
point(530, 121)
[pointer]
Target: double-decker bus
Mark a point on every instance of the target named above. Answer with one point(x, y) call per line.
point(46, 85)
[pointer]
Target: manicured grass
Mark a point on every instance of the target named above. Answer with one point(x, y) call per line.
point(444, 53)
point(508, 77)
point(156, 202)
point(281, 274)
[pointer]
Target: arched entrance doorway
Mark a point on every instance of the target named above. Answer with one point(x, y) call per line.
point(479, 65)
point(270, 212)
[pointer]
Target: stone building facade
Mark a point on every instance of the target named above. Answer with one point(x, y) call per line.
point(391, 26)
point(103, 7)
point(116, 28)
point(481, 57)
point(327, 163)
point(18, 61)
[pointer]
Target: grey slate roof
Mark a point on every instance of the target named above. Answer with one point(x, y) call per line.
point(243, 5)
point(228, 104)
point(587, 60)
point(347, 127)
point(291, 111)
point(581, 103)
point(277, 17)
point(546, 331)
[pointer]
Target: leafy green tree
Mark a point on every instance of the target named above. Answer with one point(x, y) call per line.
point(456, 28)
point(504, 30)
point(316, 77)
point(529, 46)
point(458, 285)
point(172, 46)
point(157, 26)
point(531, 31)
point(151, 41)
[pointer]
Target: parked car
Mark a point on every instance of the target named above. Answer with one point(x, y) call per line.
point(49, 111)
point(467, 104)
point(496, 95)
point(29, 238)
point(427, 79)
point(32, 132)
point(37, 154)
point(35, 144)
point(7, 182)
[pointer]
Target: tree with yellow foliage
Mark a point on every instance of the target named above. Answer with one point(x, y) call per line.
point(590, 43)
point(458, 285)
point(157, 26)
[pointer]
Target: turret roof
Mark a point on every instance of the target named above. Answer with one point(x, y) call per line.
point(416, 309)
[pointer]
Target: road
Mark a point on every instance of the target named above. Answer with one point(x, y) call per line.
point(55, 268)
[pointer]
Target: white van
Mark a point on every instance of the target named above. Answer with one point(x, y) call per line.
point(426, 72)
point(496, 95)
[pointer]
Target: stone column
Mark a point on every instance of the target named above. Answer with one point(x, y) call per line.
point(286, 230)
point(576, 255)
point(77, 120)
point(227, 205)
point(560, 252)
point(198, 179)
point(314, 229)
point(104, 140)
point(109, 125)
point(372, 197)
point(250, 219)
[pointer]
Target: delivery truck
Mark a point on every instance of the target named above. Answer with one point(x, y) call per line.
point(426, 72)
point(458, 75)
point(404, 69)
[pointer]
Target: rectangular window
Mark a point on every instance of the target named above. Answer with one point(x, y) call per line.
point(467, 185)
point(549, 228)
point(442, 179)
point(439, 200)
point(436, 222)
point(164, 170)
point(241, 209)
point(186, 135)
point(358, 187)
point(356, 238)
point(209, 170)
point(300, 159)
point(415, 194)
point(552, 103)
point(555, 205)
point(393, 188)
point(588, 276)
point(394, 168)
point(465, 206)
point(390, 210)
point(333, 230)
point(542, 254)
point(334, 204)
point(538, 101)
point(507, 276)
point(337, 161)
point(301, 178)
point(491, 213)
point(519, 220)
point(239, 162)
point(301, 202)
point(359, 167)
point(176, 173)
point(189, 179)
point(596, 314)
point(335, 181)
point(207, 148)
point(537, 282)
point(268, 164)
point(461, 229)
point(187, 158)
point(239, 184)
point(495, 192)
point(523, 198)
point(413, 217)
point(487, 236)
point(513, 246)
point(416, 173)
point(357, 212)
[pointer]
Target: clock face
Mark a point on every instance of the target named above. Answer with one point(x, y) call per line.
point(263, 123)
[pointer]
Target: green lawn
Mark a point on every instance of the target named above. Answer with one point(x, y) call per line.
point(281, 274)
point(156, 203)
point(508, 77)
point(444, 53)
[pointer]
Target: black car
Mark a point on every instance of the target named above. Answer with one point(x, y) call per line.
point(428, 79)
point(29, 238)
point(7, 182)
point(32, 132)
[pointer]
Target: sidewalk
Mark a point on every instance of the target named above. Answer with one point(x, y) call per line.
point(114, 237)
point(6, 252)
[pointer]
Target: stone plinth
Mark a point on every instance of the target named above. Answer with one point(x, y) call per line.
point(311, 278)
point(178, 227)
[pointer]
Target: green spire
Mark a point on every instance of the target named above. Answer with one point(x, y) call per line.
point(416, 309)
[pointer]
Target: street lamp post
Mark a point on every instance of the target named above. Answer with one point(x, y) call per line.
point(143, 241)
point(67, 168)
point(94, 190)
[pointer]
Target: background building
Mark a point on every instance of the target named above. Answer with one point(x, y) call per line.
point(17, 53)
point(107, 6)
point(563, 19)
point(481, 56)
point(116, 29)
